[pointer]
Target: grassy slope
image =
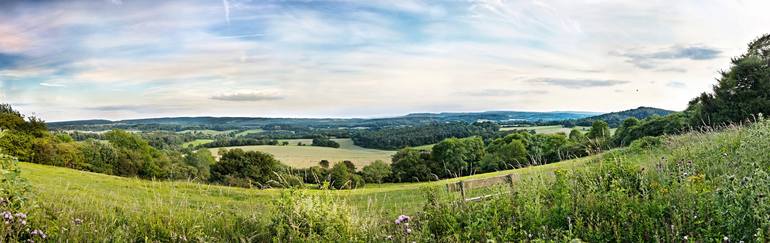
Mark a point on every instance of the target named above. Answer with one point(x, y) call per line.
point(306, 156)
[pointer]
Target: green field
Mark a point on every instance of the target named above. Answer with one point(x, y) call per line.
point(197, 142)
point(250, 131)
point(307, 156)
point(207, 132)
point(551, 129)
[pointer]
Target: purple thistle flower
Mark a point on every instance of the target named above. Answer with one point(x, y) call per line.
point(7, 215)
point(402, 219)
point(38, 232)
point(21, 215)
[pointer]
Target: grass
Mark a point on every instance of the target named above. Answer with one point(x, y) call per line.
point(127, 209)
point(207, 131)
point(307, 156)
point(250, 131)
point(197, 142)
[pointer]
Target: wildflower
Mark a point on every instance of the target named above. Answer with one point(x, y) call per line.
point(389, 237)
point(408, 231)
point(7, 215)
point(726, 239)
point(685, 237)
point(78, 221)
point(21, 215)
point(23, 222)
point(402, 219)
point(39, 233)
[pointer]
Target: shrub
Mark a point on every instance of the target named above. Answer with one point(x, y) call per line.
point(343, 178)
point(239, 168)
point(376, 172)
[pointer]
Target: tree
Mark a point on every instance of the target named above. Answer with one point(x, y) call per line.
point(456, 157)
point(325, 142)
point(599, 130)
point(577, 136)
point(508, 156)
point(324, 164)
point(201, 160)
point(376, 172)
point(343, 178)
point(239, 168)
point(411, 165)
point(741, 92)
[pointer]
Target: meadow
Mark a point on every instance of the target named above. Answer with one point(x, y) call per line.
point(307, 156)
point(644, 188)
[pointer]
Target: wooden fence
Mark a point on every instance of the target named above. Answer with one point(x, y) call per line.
point(464, 186)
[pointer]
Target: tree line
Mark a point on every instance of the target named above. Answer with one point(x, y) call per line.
point(400, 137)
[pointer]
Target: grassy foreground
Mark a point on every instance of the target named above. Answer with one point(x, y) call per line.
point(700, 185)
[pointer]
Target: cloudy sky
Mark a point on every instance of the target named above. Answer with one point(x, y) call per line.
point(64, 60)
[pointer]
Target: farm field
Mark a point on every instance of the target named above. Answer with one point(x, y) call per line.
point(307, 156)
point(197, 142)
point(206, 131)
point(551, 129)
point(250, 131)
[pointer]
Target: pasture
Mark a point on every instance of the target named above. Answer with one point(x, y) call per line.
point(197, 142)
point(307, 156)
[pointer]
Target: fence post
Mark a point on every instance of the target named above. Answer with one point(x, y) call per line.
point(462, 189)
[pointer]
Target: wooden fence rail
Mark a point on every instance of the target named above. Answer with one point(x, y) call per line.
point(464, 186)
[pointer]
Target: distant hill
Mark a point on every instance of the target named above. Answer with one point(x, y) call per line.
point(615, 118)
point(225, 123)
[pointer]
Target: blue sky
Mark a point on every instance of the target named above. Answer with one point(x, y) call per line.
point(64, 60)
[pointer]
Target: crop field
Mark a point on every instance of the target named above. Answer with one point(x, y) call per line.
point(307, 156)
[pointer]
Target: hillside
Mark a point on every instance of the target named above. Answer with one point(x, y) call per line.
point(126, 209)
point(615, 118)
point(224, 123)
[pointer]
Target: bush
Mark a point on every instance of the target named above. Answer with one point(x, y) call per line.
point(245, 169)
point(325, 142)
point(343, 178)
point(376, 172)
point(646, 142)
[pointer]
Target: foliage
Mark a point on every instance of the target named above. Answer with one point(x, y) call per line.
point(376, 172)
point(614, 119)
point(455, 157)
point(342, 177)
point(230, 142)
point(742, 90)
point(675, 123)
point(401, 137)
point(245, 169)
point(411, 165)
point(310, 218)
point(502, 156)
point(325, 142)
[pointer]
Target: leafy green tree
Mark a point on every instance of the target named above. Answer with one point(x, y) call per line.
point(547, 148)
point(239, 168)
point(456, 157)
point(343, 178)
point(577, 136)
point(507, 156)
point(324, 164)
point(599, 130)
point(376, 172)
point(411, 165)
point(325, 142)
point(201, 160)
point(742, 91)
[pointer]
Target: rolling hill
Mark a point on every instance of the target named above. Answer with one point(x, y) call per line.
point(615, 118)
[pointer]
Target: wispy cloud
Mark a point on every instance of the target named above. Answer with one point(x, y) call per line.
point(52, 85)
point(577, 83)
point(651, 59)
point(249, 96)
point(676, 84)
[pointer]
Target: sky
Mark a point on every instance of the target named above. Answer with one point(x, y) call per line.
point(121, 59)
